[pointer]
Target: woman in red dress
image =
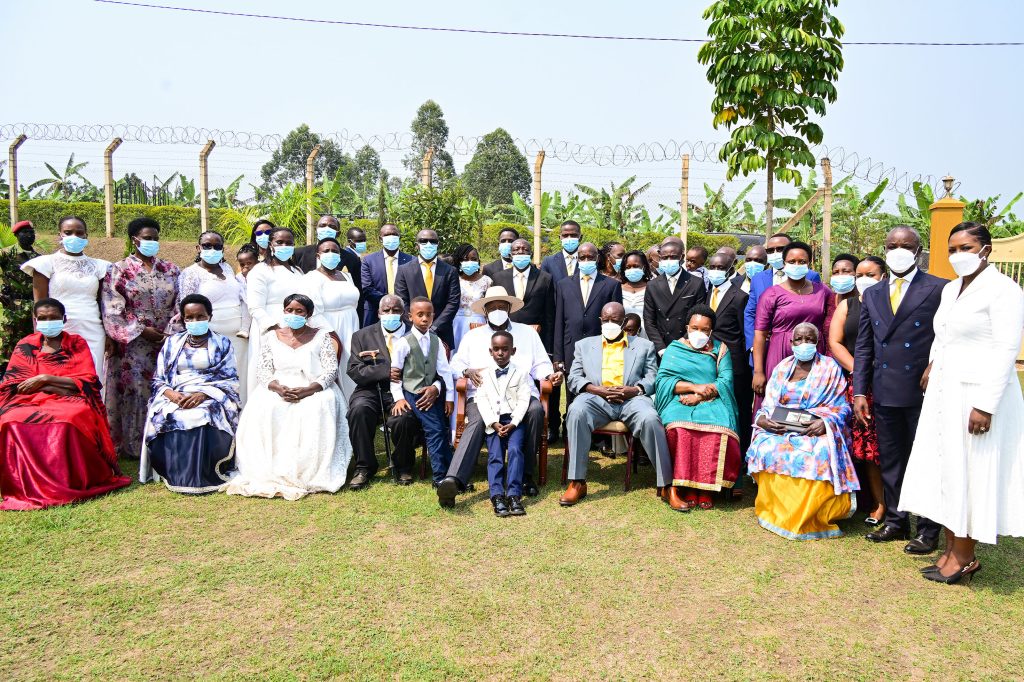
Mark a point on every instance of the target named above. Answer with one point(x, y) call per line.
point(55, 445)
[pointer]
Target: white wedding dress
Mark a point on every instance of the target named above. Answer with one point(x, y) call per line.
point(334, 309)
point(972, 485)
point(292, 449)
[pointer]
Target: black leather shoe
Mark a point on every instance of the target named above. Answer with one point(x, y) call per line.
point(530, 488)
point(447, 490)
point(552, 437)
point(405, 479)
point(500, 506)
point(921, 545)
point(515, 506)
point(360, 480)
point(887, 534)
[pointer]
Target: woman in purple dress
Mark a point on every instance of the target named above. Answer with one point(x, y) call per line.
point(781, 308)
point(138, 297)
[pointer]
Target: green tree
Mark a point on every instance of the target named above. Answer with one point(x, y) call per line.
point(288, 163)
point(67, 185)
point(772, 63)
point(430, 131)
point(615, 210)
point(498, 170)
point(367, 172)
point(443, 209)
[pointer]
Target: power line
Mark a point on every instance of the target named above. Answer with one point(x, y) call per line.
point(529, 34)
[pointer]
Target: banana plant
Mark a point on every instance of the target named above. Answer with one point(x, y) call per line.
point(62, 185)
point(286, 208)
point(226, 197)
point(616, 209)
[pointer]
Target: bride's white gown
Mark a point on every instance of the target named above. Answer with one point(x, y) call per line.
point(292, 449)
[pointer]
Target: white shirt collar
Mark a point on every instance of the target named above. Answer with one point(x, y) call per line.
point(908, 278)
point(425, 262)
point(399, 333)
point(724, 287)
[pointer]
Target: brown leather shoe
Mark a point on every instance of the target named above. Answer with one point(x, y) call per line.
point(663, 493)
point(675, 501)
point(576, 491)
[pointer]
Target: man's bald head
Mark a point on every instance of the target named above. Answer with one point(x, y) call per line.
point(613, 312)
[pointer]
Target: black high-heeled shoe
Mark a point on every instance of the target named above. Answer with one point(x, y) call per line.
point(966, 571)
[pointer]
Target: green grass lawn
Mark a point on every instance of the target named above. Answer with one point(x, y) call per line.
point(382, 584)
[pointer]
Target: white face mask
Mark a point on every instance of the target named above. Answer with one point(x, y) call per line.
point(863, 282)
point(610, 330)
point(900, 260)
point(965, 263)
point(698, 339)
point(498, 317)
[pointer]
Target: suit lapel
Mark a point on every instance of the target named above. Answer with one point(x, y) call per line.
point(727, 298)
point(629, 359)
point(592, 360)
point(577, 289)
point(531, 280)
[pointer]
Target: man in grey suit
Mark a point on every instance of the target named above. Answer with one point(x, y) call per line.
point(613, 395)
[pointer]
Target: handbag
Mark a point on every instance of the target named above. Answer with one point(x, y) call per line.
point(792, 420)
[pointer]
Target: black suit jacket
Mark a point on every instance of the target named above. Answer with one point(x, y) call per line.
point(665, 313)
point(892, 350)
point(369, 375)
point(729, 326)
point(554, 265)
point(573, 320)
point(538, 301)
point(446, 297)
point(494, 267)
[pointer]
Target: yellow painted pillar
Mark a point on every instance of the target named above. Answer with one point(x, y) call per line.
point(946, 213)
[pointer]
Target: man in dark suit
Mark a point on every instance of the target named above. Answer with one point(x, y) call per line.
point(380, 269)
point(432, 278)
point(558, 266)
point(894, 340)
point(369, 366)
point(769, 278)
point(669, 298)
point(578, 303)
point(504, 261)
point(356, 241)
point(533, 287)
point(728, 301)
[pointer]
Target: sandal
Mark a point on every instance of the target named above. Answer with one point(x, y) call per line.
point(704, 501)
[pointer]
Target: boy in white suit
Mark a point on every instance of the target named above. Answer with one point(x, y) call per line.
point(502, 399)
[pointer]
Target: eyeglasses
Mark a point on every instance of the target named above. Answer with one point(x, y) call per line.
point(211, 247)
point(428, 241)
point(259, 232)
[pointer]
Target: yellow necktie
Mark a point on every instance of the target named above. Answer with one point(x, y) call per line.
point(570, 268)
point(520, 285)
point(714, 299)
point(391, 345)
point(391, 274)
point(586, 289)
point(894, 297)
point(429, 279)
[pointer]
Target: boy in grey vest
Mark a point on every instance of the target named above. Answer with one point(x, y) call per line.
point(419, 376)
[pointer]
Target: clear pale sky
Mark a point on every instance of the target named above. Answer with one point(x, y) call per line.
point(921, 109)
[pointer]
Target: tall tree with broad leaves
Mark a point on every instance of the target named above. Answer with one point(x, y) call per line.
point(288, 163)
point(497, 171)
point(367, 171)
point(772, 63)
point(429, 130)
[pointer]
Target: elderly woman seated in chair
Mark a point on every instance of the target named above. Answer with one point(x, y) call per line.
point(798, 454)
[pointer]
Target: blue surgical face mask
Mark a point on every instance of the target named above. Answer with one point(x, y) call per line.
point(753, 268)
point(326, 233)
point(390, 242)
point(505, 249)
point(521, 261)
point(263, 240)
point(212, 256)
point(842, 284)
point(588, 267)
point(283, 253)
point(293, 321)
point(428, 250)
point(360, 247)
point(795, 270)
point(669, 267)
point(391, 321)
point(804, 351)
point(634, 275)
point(617, 265)
point(330, 259)
point(148, 247)
point(197, 328)
point(717, 277)
point(469, 267)
point(50, 328)
point(73, 244)
point(570, 244)
point(775, 260)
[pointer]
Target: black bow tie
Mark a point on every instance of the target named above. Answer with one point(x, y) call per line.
point(499, 373)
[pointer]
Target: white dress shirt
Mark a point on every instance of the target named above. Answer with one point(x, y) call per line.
point(444, 371)
point(475, 353)
point(672, 280)
point(721, 292)
point(907, 278)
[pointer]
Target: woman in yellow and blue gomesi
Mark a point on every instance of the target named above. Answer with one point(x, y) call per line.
point(805, 476)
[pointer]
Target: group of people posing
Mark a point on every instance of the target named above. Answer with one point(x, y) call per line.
point(276, 380)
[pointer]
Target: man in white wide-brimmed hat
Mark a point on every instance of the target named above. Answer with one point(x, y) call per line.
point(472, 356)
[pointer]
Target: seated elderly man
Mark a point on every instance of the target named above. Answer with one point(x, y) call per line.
point(613, 378)
point(369, 366)
point(473, 356)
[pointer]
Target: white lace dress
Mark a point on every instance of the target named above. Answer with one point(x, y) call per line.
point(292, 449)
point(266, 289)
point(471, 292)
point(335, 309)
point(75, 282)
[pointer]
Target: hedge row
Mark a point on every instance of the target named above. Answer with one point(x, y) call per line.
point(178, 223)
